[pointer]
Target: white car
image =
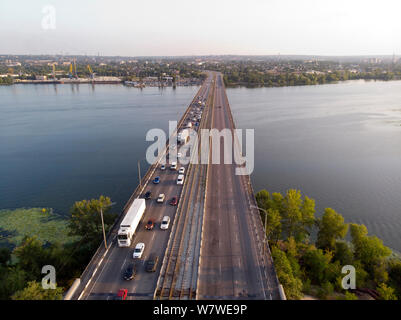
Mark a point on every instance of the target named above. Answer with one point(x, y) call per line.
point(179, 155)
point(138, 251)
point(161, 197)
point(163, 167)
point(182, 170)
point(173, 166)
point(165, 223)
point(180, 179)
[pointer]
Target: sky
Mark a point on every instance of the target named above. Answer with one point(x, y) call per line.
point(207, 27)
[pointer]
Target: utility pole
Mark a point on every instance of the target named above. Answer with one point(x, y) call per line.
point(139, 174)
point(104, 232)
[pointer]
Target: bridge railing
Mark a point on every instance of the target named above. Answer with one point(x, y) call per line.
point(101, 252)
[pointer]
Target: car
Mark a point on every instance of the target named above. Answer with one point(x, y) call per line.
point(163, 167)
point(182, 170)
point(179, 155)
point(174, 201)
point(180, 179)
point(151, 264)
point(150, 225)
point(148, 195)
point(165, 223)
point(161, 197)
point(156, 180)
point(122, 294)
point(138, 251)
point(130, 272)
point(173, 166)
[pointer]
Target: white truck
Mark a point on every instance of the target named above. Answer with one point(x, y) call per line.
point(183, 136)
point(130, 222)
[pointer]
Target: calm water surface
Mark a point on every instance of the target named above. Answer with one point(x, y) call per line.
point(67, 142)
point(339, 144)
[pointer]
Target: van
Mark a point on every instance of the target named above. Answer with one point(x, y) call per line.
point(180, 179)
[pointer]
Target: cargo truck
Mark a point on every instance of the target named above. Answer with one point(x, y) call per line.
point(130, 222)
point(183, 136)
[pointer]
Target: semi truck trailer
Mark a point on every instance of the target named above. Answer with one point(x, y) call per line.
point(130, 222)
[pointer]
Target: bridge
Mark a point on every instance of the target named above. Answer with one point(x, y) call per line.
point(215, 247)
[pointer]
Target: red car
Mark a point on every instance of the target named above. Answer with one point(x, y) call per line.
point(122, 294)
point(174, 201)
point(150, 225)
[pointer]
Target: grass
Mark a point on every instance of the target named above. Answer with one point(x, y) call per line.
point(40, 222)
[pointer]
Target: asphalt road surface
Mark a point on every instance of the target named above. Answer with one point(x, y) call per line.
point(230, 261)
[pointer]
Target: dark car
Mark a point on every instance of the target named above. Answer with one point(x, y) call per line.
point(122, 294)
point(174, 201)
point(150, 225)
point(148, 195)
point(130, 272)
point(156, 180)
point(151, 264)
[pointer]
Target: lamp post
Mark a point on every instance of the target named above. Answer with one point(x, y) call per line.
point(139, 173)
point(101, 215)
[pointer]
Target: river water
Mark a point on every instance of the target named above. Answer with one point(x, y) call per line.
point(339, 144)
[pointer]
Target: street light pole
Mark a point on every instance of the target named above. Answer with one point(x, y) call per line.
point(104, 231)
point(139, 173)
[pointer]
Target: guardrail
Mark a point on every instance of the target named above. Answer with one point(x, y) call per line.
point(76, 292)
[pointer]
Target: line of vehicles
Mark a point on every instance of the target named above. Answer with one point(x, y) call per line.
point(137, 209)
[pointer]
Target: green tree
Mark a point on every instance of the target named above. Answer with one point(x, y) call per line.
point(273, 228)
point(368, 249)
point(316, 263)
point(5, 255)
point(32, 256)
point(263, 199)
point(385, 292)
point(343, 253)
point(325, 290)
point(291, 212)
point(292, 285)
point(331, 228)
point(85, 220)
point(298, 214)
point(395, 276)
point(12, 279)
point(34, 291)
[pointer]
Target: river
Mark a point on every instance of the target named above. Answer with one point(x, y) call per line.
point(339, 144)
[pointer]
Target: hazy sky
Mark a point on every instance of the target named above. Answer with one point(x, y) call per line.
point(179, 27)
